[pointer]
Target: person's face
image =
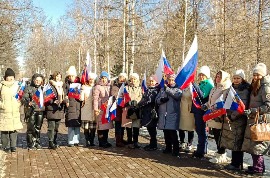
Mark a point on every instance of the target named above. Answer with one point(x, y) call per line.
point(91, 81)
point(122, 79)
point(171, 81)
point(58, 78)
point(152, 83)
point(237, 80)
point(257, 77)
point(38, 81)
point(104, 79)
point(218, 78)
point(202, 77)
point(72, 78)
point(10, 78)
point(133, 80)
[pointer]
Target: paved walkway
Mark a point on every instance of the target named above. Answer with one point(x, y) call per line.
point(96, 162)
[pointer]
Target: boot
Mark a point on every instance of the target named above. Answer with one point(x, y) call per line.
point(119, 142)
point(92, 137)
point(51, 145)
point(54, 140)
point(87, 138)
point(219, 158)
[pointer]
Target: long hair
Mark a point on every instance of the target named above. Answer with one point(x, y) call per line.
point(220, 73)
point(55, 74)
point(255, 86)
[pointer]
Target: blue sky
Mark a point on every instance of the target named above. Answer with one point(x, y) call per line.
point(53, 8)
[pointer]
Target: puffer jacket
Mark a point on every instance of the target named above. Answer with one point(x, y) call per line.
point(215, 93)
point(147, 104)
point(261, 101)
point(233, 131)
point(169, 112)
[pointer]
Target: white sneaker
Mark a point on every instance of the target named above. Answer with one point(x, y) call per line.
point(188, 148)
point(219, 158)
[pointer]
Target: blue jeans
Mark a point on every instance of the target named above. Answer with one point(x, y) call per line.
point(200, 126)
point(73, 135)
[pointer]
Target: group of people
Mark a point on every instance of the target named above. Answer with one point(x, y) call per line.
point(159, 107)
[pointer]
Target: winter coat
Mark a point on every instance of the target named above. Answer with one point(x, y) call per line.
point(233, 131)
point(215, 93)
point(135, 93)
point(262, 100)
point(169, 112)
point(114, 92)
point(101, 95)
point(87, 110)
point(147, 104)
point(187, 121)
point(9, 107)
point(73, 111)
point(53, 110)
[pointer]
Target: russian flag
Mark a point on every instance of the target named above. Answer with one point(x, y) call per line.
point(216, 110)
point(109, 104)
point(144, 85)
point(38, 97)
point(87, 69)
point(167, 66)
point(20, 91)
point(233, 102)
point(187, 71)
point(123, 96)
point(195, 97)
point(74, 90)
point(112, 113)
point(103, 108)
point(49, 94)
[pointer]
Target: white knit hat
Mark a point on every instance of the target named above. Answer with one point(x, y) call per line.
point(134, 75)
point(72, 71)
point(205, 70)
point(261, 69)
point(240, 73)
point(92, 75)
point(123, 75)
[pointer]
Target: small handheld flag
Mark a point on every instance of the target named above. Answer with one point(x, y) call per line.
point(233, 102)
point(74, 90)
point(216, 110)
point(49, 94)
point(20, 91)
point(38, 97)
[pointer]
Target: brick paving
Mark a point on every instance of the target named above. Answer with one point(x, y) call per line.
point(97, 162)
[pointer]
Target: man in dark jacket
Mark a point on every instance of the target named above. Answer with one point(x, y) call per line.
point(34, 111)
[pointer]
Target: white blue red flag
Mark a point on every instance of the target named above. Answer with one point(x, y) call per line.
point(123, 96)
point(144, 85)
point(112, 112)
point(38, 97)
point(49, 94)
point(233, 102)
point(215, 110)
point(74, 90)
point(107, 115)
point(187, 71)
point(87, 69)
point(20, 91)
point(167, 67)
point(195, 97)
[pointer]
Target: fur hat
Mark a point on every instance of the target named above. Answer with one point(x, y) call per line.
point(205, 70)
point(92, 75)
point(104, 74)
point(240, 73)
point(171, 76)
point(134, 75)
point(72, 71)
point(9, 72)
point(123, 75)
point(261, 69)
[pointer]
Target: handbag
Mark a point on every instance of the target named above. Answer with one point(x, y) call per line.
point(260, 131)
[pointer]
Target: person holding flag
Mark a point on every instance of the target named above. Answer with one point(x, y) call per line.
point(149, 113)
point(202, 91)
point(119, 130)
point(101, 95)
point(73, 107)
point(33, 99)
point(222, 83)
point(168, 100)
point(233, 129)
point(9, 112)
point(54, 107)
point(88, 118)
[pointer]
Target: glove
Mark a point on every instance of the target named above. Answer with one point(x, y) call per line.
point(250, 111)
point(133, 103)
point(204, 107)
point(164, 99)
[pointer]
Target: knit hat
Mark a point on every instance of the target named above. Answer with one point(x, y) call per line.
point(134, 75)
point(261, 69)
point(153, 77)
point(123, 75)
point(205, 70)
point(171, 76)
point(240, 73)
point(104, 74)
point(9, 72)
point(72, 71)
point(92, 75)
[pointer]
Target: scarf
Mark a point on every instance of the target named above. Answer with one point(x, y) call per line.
point(59, 88)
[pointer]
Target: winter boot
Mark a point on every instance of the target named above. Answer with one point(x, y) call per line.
point(51, 145)
point(119, 141)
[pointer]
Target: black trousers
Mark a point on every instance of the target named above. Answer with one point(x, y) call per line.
point(153, 136)
point(89, 136)
point(53, 125)
point(133, 133)
point(171, 140)
point(9, 138)
point(237, 158)
point(103, 136)
point(217, 135)
point(34, 124)
point(190, 136)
